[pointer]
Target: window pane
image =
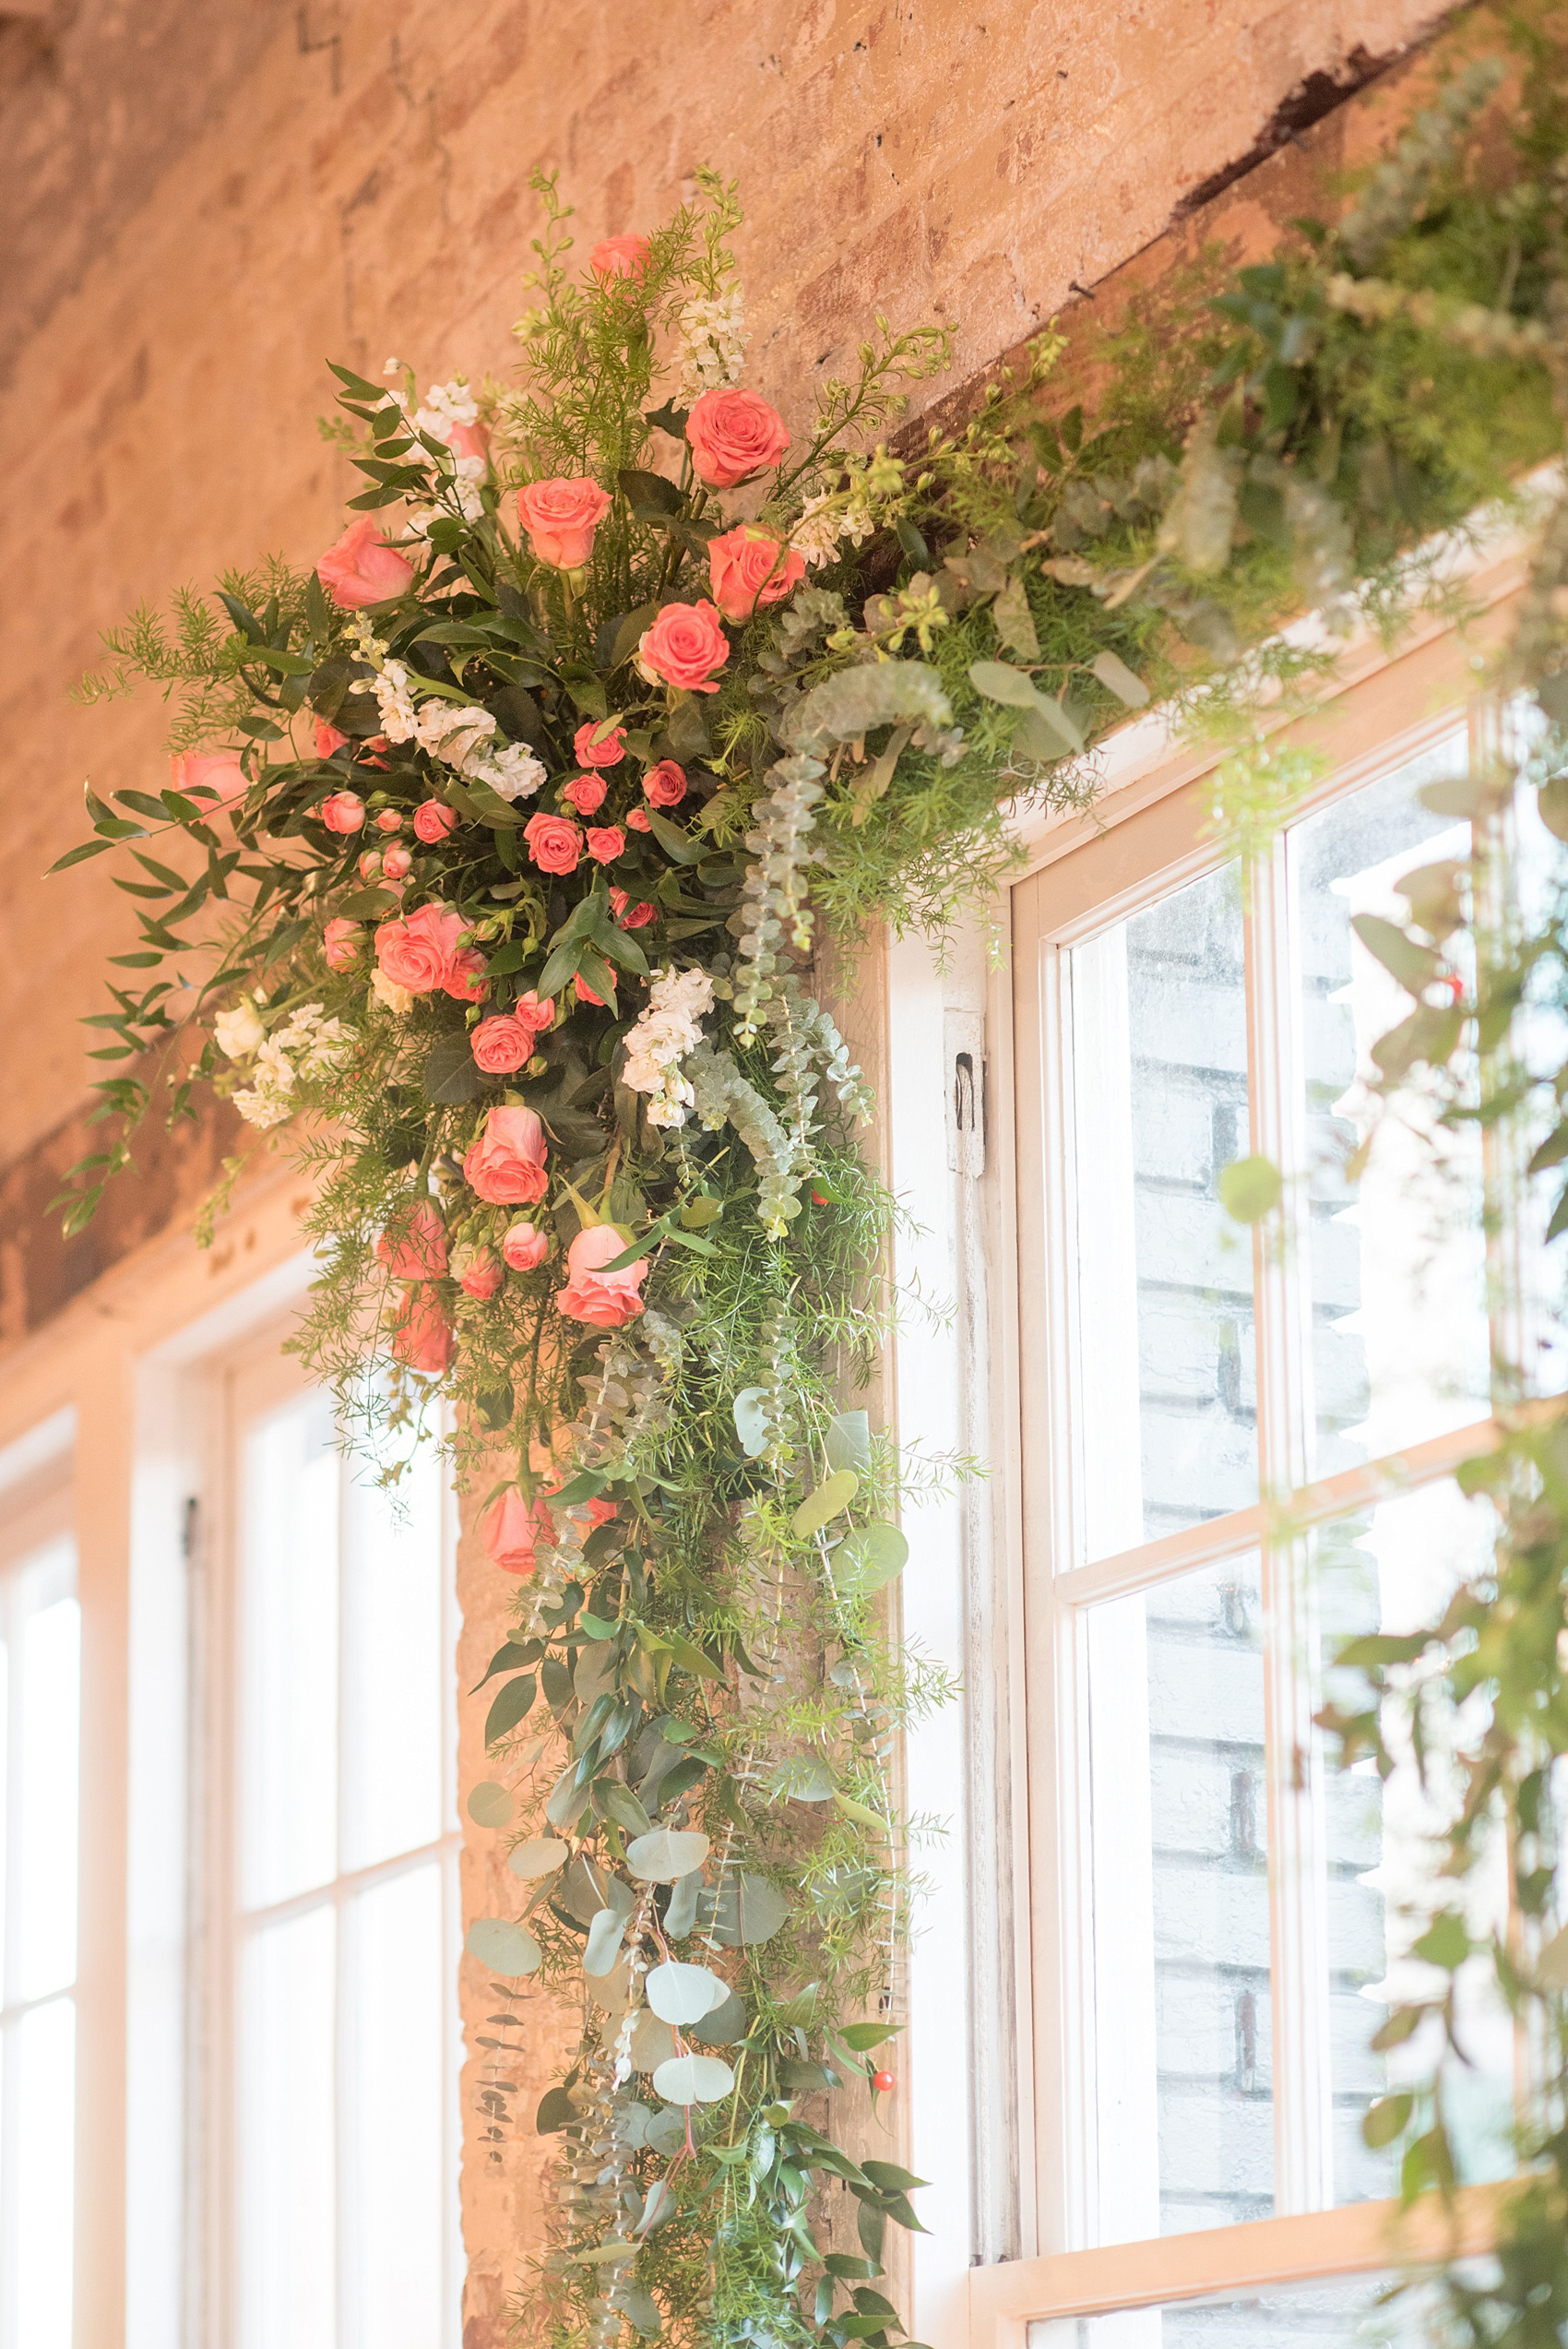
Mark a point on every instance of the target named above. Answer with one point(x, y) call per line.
point(394, 1661)
point(1160, 1088)
point(1391, 1569)
point(43, 2051)
point(286, 2206)
point(45, 1887)
point(1400, 1342)
point(399, 1986)
point(287, 1654)
point(1182, 1910)
point(1332, 2313)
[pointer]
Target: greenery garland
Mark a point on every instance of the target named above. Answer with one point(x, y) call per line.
point(618, 696)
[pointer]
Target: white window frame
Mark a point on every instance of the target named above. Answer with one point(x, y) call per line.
point(1012, 2237)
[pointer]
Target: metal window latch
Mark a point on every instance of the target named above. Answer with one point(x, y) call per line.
point(966, 1097)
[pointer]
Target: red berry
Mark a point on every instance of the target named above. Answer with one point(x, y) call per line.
point(882, 2081)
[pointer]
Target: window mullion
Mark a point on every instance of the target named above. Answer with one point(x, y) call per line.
point(1298, 1886)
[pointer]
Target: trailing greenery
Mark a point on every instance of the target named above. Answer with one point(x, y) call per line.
point(749, 673)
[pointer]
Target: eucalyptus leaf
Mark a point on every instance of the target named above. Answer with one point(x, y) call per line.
point(504, 1946)
point(489, 1804)
point(680, 1994)
point(853, 701)
point(722, 2025)
point(848, 1442)
point(681, 1914)
point(693, 2079)
point(540, 1855)
point(665, 1854)
point(604, 1940)
point(1124, 683)
point(819, 1508)
point(667, 2131)
point(752, 1423)
point(870, 1557)
point(653, 2042)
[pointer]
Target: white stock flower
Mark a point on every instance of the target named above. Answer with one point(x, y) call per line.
point(713, 343)
point(239, 1031)
point(452, 734)
point(513, 771)
point(661, 1038)
point(815, 536)
point(445, 404)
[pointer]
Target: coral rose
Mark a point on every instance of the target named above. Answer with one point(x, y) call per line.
point(468, 441)
point(413, 1248)
point(619, 256)
point(537, 1015)
point(328, 739)
point(342, 812)
point(636, 820)
point(362, 568)
point(554, 842)
point(605, 842)
point(502, 1042)
point(589, 748)
point(638, 919)
point(683, 647)
point(586, 792)
point(210, 770)
point(433, 820)
point(421, 953)
point(734, 435)
point(511, 1528)
point(389, 820)
point(465, 981)
point(422, 1335)
point(524, 1245)
point(479, 1272)
point(663, 786)
point(560, 517)
point(585, 994)
point(749, 568)
point(505, 1166)
point(396, 863)
point(593, 1294)
point(341, 943)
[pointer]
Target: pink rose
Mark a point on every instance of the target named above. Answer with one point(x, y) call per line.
point(397, 864)
point(433, 819)
point(413, 1248)
point(389, 820)
point(586, 792)
point(537, 1015)
point(362, 568)
point(422, 1335)
point(342, 943)
point(638, 919)
point(466, 982)
point(505, 1166)
point(599, 1512)
point(421, 952)
point(636, 820)
point(210, 770)
point(590, 749)
point(468, 441)
point(343, 812)
point(479, 1272)
point(524, 1245)
point(605, 1299)
point(749, 568)
point(502, 1042)
point(328, 739)
point(685, 645)
point(560, 517)
point(585, 994)
point(663, 786)
point(370, 864)
point(605, 842)
point(511, 1529)
point(554, 842)
point(734, 435)
point(620, 256)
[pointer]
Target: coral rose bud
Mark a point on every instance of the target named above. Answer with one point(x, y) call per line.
point(389, 820)
point(343, 812)
point(422, 1335)
point(524, 1245)
point(620, 256)
point(586, 792)
point(554, 842)
point(605, 842)
point(560, 517)
point(328, 739)
point(501, 1043)
point(505, 1166)
point(363, 569)
point(511, 1529)
point(636, 820)
point(433, 820)
point(603, 1299)
point(203, 771)
point(479, 1272)
point(748, 568)
point(663, 786)
point(370, 864)
point(397, 864)
point(413, 1246)
point(590, 748)
point(683, 647)
point(342, 943)
point(733, 435)
point(537, 1015)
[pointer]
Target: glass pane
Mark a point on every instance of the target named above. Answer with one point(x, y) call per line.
point(397, 2125)
point(43, 2048)
point(1181, 1905)
point(393, 1661)
point(1331, 2313)
point(1397, 1263)
point(1391, 1569)
point(286, 2205)
point(288, 1653)
point(1159, 1084)
point(45, 1891)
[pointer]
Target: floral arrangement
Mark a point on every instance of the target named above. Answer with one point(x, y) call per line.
point(518, 817)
